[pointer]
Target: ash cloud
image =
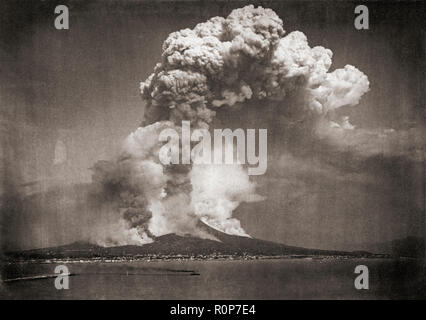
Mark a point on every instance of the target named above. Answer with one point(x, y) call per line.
point(222, 65)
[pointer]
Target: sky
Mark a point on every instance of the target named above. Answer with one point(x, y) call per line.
point(78, 89)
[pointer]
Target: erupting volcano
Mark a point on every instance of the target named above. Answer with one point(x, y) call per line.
point(220, 66)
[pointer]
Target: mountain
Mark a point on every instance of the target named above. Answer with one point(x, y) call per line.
point(412, 247)
point(173, 245)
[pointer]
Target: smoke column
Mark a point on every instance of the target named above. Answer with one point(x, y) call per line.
point(221, 64)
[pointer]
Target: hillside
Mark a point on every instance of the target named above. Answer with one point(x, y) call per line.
point(173, 245)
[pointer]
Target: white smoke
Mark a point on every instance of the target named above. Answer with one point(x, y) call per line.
point(217, 190)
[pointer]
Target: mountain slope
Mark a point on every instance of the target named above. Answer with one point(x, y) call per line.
point(172, 245)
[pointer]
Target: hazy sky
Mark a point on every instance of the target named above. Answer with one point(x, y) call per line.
point(79, 88)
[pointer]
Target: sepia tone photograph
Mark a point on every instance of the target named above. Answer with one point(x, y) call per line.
point(212, 150)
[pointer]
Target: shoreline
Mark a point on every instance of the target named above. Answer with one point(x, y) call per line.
point(159, 258)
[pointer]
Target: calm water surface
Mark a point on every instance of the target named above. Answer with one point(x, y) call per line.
point(257, 279)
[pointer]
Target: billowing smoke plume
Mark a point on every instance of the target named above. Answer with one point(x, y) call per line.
point(221, 63)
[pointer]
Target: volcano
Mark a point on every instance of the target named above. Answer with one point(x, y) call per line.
point(172, 245)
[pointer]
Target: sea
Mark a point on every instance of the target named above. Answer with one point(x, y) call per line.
point(301, 278)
